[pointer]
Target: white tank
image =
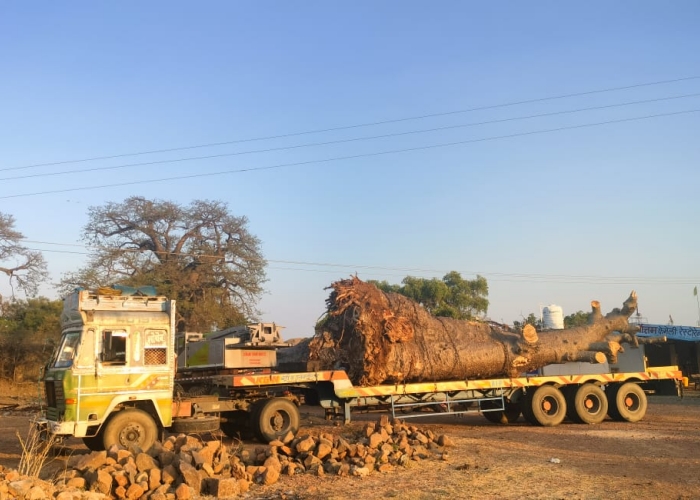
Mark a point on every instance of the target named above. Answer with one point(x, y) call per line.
point(552, 318)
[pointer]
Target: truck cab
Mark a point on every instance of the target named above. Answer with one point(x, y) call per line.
point(114, 364)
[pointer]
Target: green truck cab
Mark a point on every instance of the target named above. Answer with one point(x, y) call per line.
point(111, 378)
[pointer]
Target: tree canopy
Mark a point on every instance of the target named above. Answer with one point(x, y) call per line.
point(201, 255)
point(28, 330)
point(452, 296)
point(24, 268)
point(579, 318)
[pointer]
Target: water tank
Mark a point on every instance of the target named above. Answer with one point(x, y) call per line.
point(552, 318)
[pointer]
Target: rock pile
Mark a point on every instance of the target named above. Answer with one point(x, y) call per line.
point(184, 467)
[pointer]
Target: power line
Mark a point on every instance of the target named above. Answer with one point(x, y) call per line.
point(360, 125)
point(355, 139)
point(497, 276)
point(350, 157)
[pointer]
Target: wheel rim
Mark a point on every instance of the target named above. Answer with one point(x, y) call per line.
point(592, 404)
point(632, 402)
point(550, 406)
point(280, 420)
point(132, 434)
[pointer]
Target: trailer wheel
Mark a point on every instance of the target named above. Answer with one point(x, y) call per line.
point(548, 406)
point(526, 406)
point(508, 416)
point(627, 403)
point(277, 417)
point(255, 409)
point(588, 405)
point(130, 427)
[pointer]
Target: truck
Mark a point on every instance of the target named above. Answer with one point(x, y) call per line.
point(121, 374)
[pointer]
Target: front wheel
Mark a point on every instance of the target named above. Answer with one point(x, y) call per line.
point(130, 428)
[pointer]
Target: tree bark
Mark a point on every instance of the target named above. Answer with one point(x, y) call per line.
point(382, 337)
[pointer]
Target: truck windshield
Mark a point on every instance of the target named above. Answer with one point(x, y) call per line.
point(66, 352)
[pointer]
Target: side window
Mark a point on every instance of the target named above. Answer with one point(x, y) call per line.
point(113, 347)
point(155, 347)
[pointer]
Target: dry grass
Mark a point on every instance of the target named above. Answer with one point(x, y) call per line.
point(36, 450)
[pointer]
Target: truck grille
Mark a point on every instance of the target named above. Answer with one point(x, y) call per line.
point(55, 398)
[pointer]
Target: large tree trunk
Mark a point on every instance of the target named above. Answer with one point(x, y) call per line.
point(387, 338)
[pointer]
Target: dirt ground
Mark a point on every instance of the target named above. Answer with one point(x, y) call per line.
point(658, 457)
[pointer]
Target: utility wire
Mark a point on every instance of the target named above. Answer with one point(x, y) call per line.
point(350, 157)
point(360, 125)
point(341, 141)
point(565, 278)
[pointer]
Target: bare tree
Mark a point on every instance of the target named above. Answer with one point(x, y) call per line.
point(199, 254)
point(24, 268)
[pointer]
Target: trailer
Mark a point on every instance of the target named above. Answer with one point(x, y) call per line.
point(121, 375)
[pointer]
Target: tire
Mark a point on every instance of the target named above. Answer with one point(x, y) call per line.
point(589, 405)
point(195, 425)
point(508, 416)
point(254, 412)
point(611, 396)
point(236, 424)
point(630, 403)
point(130, 428)
point(94, 443)
point(526, 406)
point(548, 406)
point(277, 417)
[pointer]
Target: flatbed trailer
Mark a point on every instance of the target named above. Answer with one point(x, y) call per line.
point(542, 400)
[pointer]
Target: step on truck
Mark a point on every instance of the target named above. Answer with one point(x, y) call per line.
point(122, 375)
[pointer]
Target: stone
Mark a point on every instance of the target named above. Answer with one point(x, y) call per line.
point(134, 492)
point(385, 468)
point(443, 440)
point(288, 438)
point(274, 462)
point(191, 477)
point(168, 474)
point(145, 462)
point(36, 493)
point(360, 471)
point(154, 478)
point(324, 448)
point(221, 488)
point(103, 484)
point(421, 438)
point(182, 492)
point(76, 482)
point(93, 460)
point(375, 440)
point(270, 476)
point(306, 445)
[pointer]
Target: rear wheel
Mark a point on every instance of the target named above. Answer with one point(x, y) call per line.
point(236, 424)
point(277, 417)
point(130, 427)
point(588, 405)
point(628, 403)
point(548, 406)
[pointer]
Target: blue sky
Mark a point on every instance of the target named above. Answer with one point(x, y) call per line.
point(562, 217)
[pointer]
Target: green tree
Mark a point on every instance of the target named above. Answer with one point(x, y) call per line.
point(452, 296)
point(201, 255)
point(530, 320)
point(578, 318)
point(28, 331)
point(24, 268)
